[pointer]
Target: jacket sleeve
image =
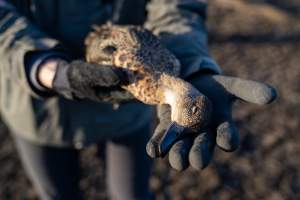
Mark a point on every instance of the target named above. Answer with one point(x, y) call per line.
point(180, 24)
point(18, 36)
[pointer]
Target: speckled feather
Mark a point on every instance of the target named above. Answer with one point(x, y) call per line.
point(139, 52)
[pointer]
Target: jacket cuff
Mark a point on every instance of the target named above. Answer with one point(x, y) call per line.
point(201, 64)
point(33, 61)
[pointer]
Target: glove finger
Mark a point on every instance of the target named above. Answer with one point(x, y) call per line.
point(121, 95)
point(113, 95)
point(164, 116)
point(228, 138)
point(201, 152)
point(247, 90)
point(161, 142)
point(153, 145)
point(89, 74)
point(178, 155)
point(108, 76)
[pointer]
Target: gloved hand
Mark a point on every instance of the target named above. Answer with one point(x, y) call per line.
point(197, 150)
point(79, 79)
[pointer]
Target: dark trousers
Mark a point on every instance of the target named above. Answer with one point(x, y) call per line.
point(55, 172)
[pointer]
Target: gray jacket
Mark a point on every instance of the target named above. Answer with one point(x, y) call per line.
point(27, 26)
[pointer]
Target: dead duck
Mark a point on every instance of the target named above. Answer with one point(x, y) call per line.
point(152, 72)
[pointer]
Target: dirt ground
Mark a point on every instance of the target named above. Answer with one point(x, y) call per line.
point(252, 39)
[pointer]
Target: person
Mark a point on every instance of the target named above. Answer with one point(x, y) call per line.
point(56, 104)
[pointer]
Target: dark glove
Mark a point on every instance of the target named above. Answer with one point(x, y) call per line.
point(197, 150)
point(79, 79)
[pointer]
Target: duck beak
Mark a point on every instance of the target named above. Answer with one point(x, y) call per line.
point(172, 135)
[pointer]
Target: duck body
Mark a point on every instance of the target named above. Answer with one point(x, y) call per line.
point(152, 71)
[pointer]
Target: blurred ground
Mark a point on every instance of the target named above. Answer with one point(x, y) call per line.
point(253, 39)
